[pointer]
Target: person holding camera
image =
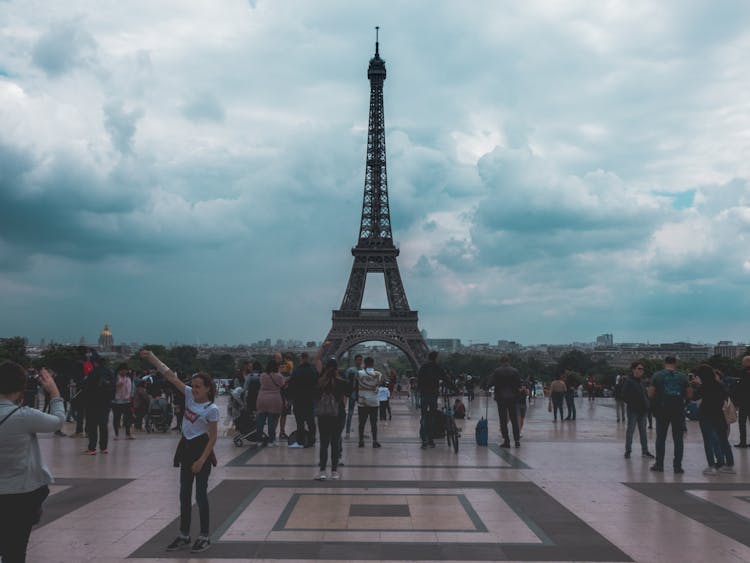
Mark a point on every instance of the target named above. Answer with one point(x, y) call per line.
point(24, 478)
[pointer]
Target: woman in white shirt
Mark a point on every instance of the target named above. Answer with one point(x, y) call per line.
point(23, 475)
point(195, 452)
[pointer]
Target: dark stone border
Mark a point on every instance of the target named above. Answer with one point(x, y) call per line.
point(677, 497)
point(280, 524)
point(564, 535)
point(80, 493)
point(243, 460)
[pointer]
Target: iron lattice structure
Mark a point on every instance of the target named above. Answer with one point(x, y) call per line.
point(376, 253)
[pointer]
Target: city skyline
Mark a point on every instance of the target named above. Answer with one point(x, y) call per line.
point(190, 172)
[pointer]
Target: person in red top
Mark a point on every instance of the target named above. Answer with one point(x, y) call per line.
point(591, 387)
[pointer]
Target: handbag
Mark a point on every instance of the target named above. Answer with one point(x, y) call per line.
point(730, 412)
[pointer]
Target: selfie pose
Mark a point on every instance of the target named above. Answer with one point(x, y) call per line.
point(24, 478)
point(195, 452)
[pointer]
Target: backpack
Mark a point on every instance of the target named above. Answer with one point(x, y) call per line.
point(459, 411)
point(327, 405)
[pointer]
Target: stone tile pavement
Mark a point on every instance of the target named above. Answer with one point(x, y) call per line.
point(566, 495)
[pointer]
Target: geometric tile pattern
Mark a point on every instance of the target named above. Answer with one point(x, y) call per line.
point(482, 521)
point(67, 495)
point(719, 506)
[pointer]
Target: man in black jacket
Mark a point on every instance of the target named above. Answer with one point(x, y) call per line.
point(741, 398)
point(428, 385)
point(507, 381)
point(301, 391)
point(636, 399)
point(98, 392)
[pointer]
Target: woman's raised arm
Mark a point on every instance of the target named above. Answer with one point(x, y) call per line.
point(163, 369)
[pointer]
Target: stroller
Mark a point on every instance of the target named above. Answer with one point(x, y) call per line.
point(244, 421)
point(159, 415)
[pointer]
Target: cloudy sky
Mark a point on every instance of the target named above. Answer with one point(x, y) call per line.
point(192, 171)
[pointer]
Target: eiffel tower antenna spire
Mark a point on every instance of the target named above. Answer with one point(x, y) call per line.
point(375, 251)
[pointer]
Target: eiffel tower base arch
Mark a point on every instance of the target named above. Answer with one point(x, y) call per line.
point(401, 331)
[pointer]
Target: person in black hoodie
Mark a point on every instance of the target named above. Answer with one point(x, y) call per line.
point(636, 399)
point(98, 392)
point(301, 390)
point(507, 381)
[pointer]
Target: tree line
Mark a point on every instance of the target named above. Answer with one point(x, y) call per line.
point(67, 359)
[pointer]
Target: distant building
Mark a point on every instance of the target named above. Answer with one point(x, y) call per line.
point(605, 340)
point(451, 345)
point(729, 349)
point(106, 342)
point(508, 346)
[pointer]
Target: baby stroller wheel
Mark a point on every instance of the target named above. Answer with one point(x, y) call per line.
point(237, 441)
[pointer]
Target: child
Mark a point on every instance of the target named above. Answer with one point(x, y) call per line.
point(384, 394)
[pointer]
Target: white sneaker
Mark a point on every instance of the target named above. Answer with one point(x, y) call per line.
point(335, 476)
point(321, 476)
point(295, 445)
point(709, 471)
point(727, 469)
point(273, 444)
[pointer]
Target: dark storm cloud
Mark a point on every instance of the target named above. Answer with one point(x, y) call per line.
point(121, 125)
point(63, 47)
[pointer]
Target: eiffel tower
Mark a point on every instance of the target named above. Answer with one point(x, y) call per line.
point(376, 253)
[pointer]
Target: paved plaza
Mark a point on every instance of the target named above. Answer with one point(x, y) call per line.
point(566, 495)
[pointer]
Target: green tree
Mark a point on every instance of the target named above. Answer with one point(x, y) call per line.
point(63, 359)
point(220, 366)
point(576, 361)
point(14, 349)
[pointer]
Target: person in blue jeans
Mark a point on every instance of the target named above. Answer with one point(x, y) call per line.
point(667, 393)
point(351, 376)
point(712, 422)
point(570, 397)
point(636, 400)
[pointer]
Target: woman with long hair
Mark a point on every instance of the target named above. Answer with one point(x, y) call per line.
point(331, 391)
point(24, 478)
point(195, 452)
point(269, 404)
point(712, 422)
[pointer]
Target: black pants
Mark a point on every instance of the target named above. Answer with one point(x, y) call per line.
point(18, 514)
point(665, 419)
point(385, 410)
point(557, 403)
point(742, 415)
point(121, 413)
point(97, 422)
point(303, 415)
point(193, 450)
point(79, 415)
point(329, 428)
point(363, 413)
point(507, 409)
